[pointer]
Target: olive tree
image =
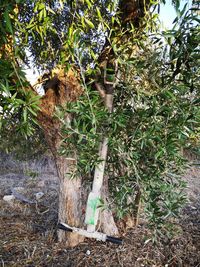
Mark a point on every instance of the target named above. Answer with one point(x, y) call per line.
point(111, 74)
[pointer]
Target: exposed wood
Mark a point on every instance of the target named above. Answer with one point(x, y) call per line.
point(101, 90)
point(70, 201)
point(69, 90)
point(70, 189)
point(132, 220)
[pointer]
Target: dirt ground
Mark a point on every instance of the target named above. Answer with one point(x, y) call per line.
point(28, 231)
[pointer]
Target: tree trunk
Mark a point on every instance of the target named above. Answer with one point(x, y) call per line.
point(107, 222)
point(71, 206)
point(70, 201)
point(73, 198)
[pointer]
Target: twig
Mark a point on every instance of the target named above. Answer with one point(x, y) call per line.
point(22, 197)
point(100, 90)
point(17, 75)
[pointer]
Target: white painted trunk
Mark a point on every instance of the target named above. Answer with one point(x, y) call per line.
point(106, 219)
point(71, 206)
point(71, 194)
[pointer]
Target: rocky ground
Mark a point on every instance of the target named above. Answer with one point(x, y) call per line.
point(28, 226)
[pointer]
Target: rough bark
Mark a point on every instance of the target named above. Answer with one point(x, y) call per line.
point(71, 193)
point(133, 11)
point(107, 222)
point(70, 201)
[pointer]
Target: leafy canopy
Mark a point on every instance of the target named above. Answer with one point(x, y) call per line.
point(156, 100)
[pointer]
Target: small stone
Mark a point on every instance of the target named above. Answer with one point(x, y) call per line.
point(88, 252)
point(39, 195)
point(8, 198)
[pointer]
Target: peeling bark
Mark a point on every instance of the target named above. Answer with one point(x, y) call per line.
point(71, 192)
point(70, 201)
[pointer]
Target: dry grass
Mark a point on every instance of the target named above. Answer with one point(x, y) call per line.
point(28, 238)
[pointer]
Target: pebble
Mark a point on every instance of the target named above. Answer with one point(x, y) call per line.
point(39, 195)
point(88, 252)
point(8, 198)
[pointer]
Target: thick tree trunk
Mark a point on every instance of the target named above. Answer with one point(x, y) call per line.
point(70, 201)
point(71, 204)
point(72, 195)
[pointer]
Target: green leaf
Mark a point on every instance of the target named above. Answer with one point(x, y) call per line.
point(25, 114)
point(33, 112)
point(88, 3)
point(41, 6)
point(90, 24)
point(8, 21)
point(183, 10)
point(98, 13)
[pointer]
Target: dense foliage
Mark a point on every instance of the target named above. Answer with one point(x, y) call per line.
point(156, 100)
point(18, 106)
point(155, 116)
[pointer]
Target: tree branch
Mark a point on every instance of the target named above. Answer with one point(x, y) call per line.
point(100, 89)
